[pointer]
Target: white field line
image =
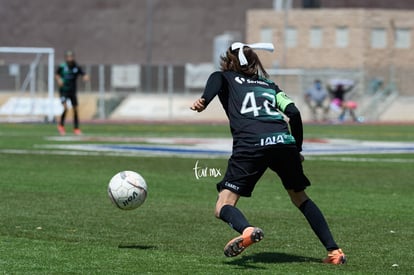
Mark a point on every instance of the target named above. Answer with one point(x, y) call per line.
point(327, 150)
point(103, 153)
point(351, 159)
point(140, 154)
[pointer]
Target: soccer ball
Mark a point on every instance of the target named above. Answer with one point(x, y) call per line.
point(127, 190)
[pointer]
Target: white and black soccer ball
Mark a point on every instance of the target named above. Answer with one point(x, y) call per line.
point(127, 190)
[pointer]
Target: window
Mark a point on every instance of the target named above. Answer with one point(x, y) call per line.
point(315, 37)
point(342, 37)
point(266, 35)
point(291, 37)
point(402, 38)
point(378, 38)
point(282, 5)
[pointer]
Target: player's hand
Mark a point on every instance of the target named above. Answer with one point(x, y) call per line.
point(198, 105)
point(60, 82)
point(302, 158)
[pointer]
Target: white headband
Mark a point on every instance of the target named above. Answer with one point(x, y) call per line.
point(256, 46)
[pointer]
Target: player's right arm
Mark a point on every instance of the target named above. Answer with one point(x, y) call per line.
point(288, 107)
point(295, 123)
point(213, 87)
point(58, 76)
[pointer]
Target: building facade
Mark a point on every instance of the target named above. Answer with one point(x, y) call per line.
point(335, 38)
point(379, 43)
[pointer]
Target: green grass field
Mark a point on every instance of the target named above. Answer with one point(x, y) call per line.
point(56, 218)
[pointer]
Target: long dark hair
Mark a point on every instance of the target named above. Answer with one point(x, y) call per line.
point(230, 62)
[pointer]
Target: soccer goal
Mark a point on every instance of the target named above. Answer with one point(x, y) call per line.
point(27, 84)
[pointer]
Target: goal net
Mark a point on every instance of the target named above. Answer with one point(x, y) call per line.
point(27, 84)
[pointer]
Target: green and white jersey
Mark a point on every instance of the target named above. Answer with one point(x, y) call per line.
point(254, 107)
point(69, 74)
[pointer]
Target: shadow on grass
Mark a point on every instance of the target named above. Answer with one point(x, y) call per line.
point(269, 258)
point(136, 246)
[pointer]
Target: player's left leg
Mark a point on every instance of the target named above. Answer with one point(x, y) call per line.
point(76, 129)
point(226, 210)
point(241, 176)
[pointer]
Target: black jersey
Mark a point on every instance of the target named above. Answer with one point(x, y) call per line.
point(69, 74)
point(254, 107)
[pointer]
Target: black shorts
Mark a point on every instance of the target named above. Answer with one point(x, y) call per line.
point(72, 97)
point(245, 169)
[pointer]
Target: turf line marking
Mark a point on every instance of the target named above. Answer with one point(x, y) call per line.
point(105, 153)
point(351, 159)
point(140, 154)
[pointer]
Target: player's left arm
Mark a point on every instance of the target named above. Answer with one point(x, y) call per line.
point(85, 76)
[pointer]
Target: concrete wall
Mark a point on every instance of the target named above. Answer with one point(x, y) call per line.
point(114, 32)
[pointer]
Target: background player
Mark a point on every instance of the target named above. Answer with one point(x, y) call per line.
point(66, 77)
point(261, 140)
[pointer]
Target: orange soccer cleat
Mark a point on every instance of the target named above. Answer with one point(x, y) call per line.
point(61, 130)
point(77, 131)
point(335, 257)
point(237, 245)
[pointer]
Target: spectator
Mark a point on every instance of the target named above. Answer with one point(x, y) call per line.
point(316, 98)
point(338, 90)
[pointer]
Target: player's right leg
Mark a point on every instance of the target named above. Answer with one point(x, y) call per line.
point(61, 124)
point(319, 225)
point(290, 171)
point(74, 101)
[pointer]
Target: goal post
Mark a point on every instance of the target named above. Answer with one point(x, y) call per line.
point(50, 52)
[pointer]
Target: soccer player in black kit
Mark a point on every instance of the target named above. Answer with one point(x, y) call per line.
point(66, 77)
point(261, 140)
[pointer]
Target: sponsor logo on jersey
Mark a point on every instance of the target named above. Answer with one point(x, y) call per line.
point(257, 82)
point(239, 80)
point(242, 80)
point(272, 140)
point(231, 186)
point(277, 139)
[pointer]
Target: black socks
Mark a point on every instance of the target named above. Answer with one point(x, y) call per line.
point(62, 118)
point(318, 224)
point(75, 119)
point(234, 217)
